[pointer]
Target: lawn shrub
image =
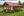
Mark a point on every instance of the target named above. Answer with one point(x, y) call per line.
point(17, 10)
point(12, 11)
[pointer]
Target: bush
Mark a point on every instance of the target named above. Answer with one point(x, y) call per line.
point(17, 10)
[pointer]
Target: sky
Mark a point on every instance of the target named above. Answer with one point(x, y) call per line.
point(15, 1)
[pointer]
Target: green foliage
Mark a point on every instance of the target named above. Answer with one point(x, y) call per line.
point(17, 10)
point(23, 5)
point(21, 13)
point(19, 2)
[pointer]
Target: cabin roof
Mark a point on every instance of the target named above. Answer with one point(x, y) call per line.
point(12, 4)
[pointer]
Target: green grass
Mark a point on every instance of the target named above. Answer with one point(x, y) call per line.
point(1, 9)
point(21, 13)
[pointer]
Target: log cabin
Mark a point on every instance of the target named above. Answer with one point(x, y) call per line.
point(9, 6)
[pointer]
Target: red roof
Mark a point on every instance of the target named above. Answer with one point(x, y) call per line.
point(12, 4)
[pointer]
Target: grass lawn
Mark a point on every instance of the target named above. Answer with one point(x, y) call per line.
point(21, 13)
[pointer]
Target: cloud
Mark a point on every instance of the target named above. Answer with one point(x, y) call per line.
point(1, 2)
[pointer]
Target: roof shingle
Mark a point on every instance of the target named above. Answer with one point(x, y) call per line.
point(13, 4)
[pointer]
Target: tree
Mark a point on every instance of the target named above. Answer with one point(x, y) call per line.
point(19, 2)
point(1, 5)
point(23, 3)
